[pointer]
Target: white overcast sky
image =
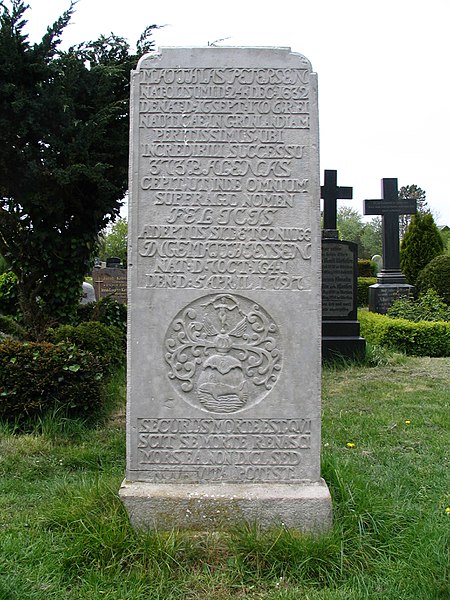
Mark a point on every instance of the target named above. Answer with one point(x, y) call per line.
point(383, 69)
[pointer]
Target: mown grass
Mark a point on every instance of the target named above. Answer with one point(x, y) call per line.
point(64, 534)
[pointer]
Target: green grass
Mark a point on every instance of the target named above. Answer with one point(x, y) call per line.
point(64, 533)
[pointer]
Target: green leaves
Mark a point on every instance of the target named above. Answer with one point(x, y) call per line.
point(63, 158)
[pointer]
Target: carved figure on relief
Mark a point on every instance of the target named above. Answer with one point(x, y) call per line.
point(223, 353)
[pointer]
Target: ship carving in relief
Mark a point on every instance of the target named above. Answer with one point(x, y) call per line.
point(223, 353)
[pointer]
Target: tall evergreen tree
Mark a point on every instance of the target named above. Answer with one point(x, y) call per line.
point(63, 156)
point(419, 195)
point(422, 242)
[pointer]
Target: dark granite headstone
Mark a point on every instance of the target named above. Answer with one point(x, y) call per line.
point(391, 283)
point(340, 327)
point(113, 262)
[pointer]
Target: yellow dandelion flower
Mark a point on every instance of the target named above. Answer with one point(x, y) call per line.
point(408, 422)
point(350, 445)
point(447, 510)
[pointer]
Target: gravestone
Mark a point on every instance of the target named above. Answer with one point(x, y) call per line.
point(87, 293)
point(330, 192)
point(378, 260)
point(340, 326)
point(110, 283)
point(223, 418)
point(113, 262)
point(391, 283)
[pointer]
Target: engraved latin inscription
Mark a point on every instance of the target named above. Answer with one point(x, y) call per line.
point(218, 149)
point(222, 448)
point(223, 353)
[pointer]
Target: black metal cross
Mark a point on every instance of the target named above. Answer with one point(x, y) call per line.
point(390, 208)
point(330, 192)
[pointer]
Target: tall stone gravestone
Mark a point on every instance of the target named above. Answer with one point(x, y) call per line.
point(391, 283)
point(224, 292)
point(340, 325)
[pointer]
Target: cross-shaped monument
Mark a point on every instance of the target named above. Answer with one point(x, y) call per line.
point(391, 283)
point(330, 192)
point(390, 207)
point(340, 327)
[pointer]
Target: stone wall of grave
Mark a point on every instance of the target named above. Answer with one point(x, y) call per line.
point(224, 268)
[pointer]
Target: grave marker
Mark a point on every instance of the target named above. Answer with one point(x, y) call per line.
point(112, 283)
point(340, 327)
point(330, 192)
point(391, 283)
point(224, 369)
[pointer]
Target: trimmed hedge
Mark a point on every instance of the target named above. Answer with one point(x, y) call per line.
point(105, 342)
point(363, 289)
point(366, 268)
point(38, 377)
point(425, 338)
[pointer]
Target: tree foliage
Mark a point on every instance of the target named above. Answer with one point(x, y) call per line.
point(63, 157)
point(352, 229)
point(114, 242)
point(422, 242)
point(408, 192)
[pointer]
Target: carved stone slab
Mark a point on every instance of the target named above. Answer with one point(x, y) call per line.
point(224, 271)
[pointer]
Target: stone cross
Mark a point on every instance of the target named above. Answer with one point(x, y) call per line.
point(390, 207)
point(330, 192)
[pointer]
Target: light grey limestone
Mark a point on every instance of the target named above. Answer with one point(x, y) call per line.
point(224, 296)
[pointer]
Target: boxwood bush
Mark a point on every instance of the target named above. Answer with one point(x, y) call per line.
point(366, 268)
point(363, 289)
point(425, 338)
point(37, 377)
point(436, 276)
point(107, 311)
point(105, 342)
point(428, 307)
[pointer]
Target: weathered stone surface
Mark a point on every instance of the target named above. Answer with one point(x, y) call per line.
point(110, 282)
point(224, 284)
point(304, 507)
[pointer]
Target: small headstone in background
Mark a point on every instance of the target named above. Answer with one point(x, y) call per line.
point(109, 282)
point(113, 262)
point(378, 260)
point(88, 293)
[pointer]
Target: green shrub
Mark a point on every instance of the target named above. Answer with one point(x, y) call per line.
point(9, 301)
point(415, 339)
point(11, 327)
point(105, 342)
point(366, 268)
point(421, 243)
point(363, 289)
point(436, 276)
point(428, 307)
point(39, 377)
point(107, 311)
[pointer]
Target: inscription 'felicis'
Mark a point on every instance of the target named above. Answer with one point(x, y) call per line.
point(223, 353)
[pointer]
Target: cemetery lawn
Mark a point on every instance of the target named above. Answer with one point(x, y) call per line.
point(386, 437)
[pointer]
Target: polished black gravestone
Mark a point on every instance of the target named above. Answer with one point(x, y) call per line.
point(330, 192)
point(340, 327)
point(391, 283)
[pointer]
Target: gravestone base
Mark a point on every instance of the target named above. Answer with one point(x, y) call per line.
point(342, 339)
point(383, 295)
point(209, 507)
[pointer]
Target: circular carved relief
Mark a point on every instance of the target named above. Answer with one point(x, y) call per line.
point(223, 353)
